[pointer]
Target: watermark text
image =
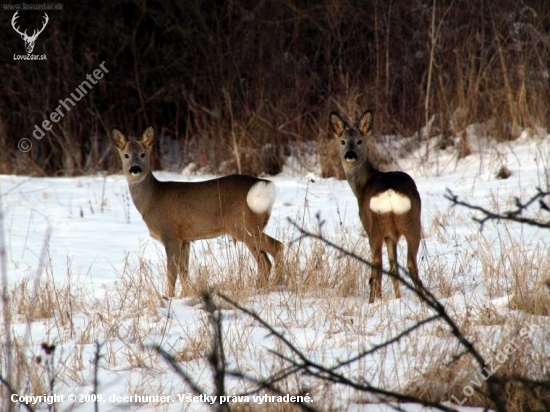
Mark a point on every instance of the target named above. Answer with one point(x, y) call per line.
point(27, 6)
point(65, 106)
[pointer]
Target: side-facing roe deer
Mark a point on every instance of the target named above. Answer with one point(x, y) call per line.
point(389, 203)
point(176, 213)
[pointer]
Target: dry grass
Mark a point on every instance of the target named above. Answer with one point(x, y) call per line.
point(536, 302)
point(515, 352)
point(506, 318)
point(322, 306)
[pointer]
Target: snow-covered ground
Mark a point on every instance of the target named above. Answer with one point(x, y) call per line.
point(83, 240)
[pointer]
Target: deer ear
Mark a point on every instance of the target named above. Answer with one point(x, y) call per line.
point(337, 124)
point(148, 136)
point(365, 122)
point(119, 138)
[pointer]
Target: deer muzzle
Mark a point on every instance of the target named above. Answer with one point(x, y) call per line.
point(350, 156)
point(135, 170)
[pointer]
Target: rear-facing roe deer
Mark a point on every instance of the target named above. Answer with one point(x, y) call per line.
point(389, 203)
point(176, 213)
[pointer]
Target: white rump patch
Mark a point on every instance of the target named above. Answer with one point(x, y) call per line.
point(261, 197)
point(390, 201)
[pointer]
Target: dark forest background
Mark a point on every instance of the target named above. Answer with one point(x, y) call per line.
point(236, 86)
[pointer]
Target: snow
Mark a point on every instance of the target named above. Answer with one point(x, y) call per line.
point(85, 236)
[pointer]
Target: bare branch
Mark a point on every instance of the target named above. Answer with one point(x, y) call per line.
point(513, 215)
point(315, 369)
point(179, 371)
point(216, 358)
point(268, 384)
point(428, 298)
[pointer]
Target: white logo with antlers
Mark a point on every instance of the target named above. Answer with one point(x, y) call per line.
point(29, 40)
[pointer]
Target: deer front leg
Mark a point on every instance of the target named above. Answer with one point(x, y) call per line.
point(184, 267)
point(173, 263)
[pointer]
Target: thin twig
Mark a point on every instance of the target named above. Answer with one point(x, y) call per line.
point(429, 298)
point(312, 368)
point(511, 215)
point(216, 357)
point(97, 357)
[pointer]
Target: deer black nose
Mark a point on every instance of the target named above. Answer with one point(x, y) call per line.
point(351, 156)
point(135, 170)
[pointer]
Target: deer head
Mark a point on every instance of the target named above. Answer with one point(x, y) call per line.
point(29, 40)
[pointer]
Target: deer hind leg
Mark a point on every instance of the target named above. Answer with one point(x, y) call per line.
point(413, 243)
point(376, 272)
point(260, 245)
point(275, 249)
point(264, 265)
point(392, 257)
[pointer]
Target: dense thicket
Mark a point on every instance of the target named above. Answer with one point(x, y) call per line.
point(232, 84)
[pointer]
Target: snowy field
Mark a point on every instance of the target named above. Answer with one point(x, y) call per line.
point(82, 269)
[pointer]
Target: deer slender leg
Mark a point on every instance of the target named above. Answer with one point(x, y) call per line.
point(376, 272)
point(264, 265)
point(173, 259)
point(184, 267)
point(275, 249)
point(392, 257)
point(413, 243)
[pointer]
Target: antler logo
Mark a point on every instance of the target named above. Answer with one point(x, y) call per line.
point(29, 40)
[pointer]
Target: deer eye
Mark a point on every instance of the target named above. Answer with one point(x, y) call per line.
point(359, 141)
point(126, 156)
point(343, 142)
point(142, 155)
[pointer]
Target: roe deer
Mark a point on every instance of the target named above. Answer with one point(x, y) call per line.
point(389, 203)
point(176, 213)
